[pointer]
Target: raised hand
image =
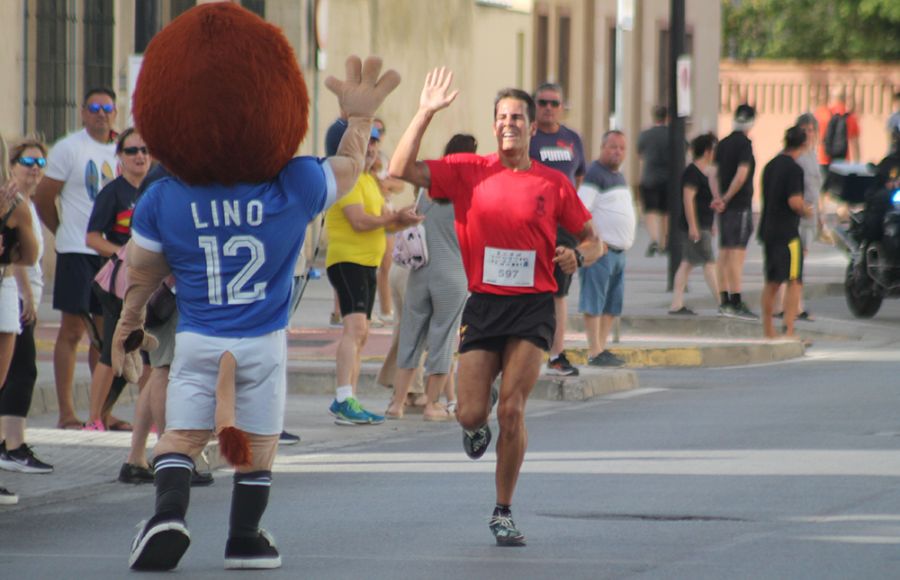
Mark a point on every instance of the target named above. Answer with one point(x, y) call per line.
point(435, 94)
point(363, 91)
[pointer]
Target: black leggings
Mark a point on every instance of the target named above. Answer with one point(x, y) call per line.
point(15, 396)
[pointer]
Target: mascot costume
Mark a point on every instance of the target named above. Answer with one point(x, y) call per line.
point(221, 102)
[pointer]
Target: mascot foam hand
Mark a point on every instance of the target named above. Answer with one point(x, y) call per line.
point(132, 362)
point(363, 91)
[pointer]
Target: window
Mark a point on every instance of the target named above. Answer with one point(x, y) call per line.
point(542, 48)
point(258, 7)
point(147, 22)
point(98, 44)
point(50, 82)
point(563, 68)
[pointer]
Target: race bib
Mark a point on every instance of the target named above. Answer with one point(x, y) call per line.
point(508, 267)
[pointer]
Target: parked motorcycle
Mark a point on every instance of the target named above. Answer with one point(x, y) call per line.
point(872, 243)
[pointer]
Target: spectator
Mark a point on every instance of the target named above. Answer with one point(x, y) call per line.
point(19, 247)
point(735, 166)
point(893, 123)
point(602, 294)
point(356, 227)
point(108, 229)
point(653, 148)
point(812, 186)
point(389, 187)
point(560, 148)
point(78, 167)
point(435, 296)
point(842, 123)
point(783, 206)
point(27, 159)
point(697, 220)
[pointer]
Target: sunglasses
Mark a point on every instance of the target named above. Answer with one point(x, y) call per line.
point(548, 103)
point(97, 107)
point(32, 161)
point(134, 150)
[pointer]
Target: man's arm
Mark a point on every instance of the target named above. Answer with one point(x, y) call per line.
point(436, 95)
point(799, 206)
point(690, 212)
point(737, 182)
point(590, 246)
point(45, 202)
point(96, 242)
point(359, 96)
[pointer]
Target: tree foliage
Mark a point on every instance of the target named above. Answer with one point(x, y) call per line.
point(811, 29)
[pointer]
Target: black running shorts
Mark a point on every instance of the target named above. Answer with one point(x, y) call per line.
point(488, 321)
point(784, 261)
point(355, 287)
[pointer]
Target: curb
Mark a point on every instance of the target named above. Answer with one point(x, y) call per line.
point(707, 355)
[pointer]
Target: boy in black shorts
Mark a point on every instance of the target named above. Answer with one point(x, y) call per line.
point(783, 206)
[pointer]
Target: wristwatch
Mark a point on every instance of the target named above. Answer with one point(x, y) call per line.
point(578, 257)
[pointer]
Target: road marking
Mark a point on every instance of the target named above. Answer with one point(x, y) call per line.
point(636, 393)
point(722, 462)
point(853, 539)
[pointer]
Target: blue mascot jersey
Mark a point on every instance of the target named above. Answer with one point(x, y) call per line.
point(233, 249)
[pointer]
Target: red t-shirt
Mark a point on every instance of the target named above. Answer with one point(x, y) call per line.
point(499, 210)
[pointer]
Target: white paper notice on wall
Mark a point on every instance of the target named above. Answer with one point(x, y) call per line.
point(683, 84)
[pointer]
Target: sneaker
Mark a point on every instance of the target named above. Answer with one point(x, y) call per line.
point(7, 497)
point(505, 531)
point(288, 438)
point(683, 311)
point(159, 545)
point(314, 274)
point(201, 479)
point(22, 460)
point(252, 553)
point(561, 367)
point(606, 359)
point(131, 473)
point(726, 310)
point(475, 443)
point(374, 419)
point(335, 320)
point(652, 249)
point(350, 412)
point(744, 313)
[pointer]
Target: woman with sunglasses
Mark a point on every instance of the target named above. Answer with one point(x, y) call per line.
point(109, 228)
point(20, 247)
point(28, 160)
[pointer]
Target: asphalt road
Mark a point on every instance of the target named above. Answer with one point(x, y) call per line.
point(772, 471)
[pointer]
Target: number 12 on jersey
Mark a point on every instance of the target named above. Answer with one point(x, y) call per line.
point(237, 290)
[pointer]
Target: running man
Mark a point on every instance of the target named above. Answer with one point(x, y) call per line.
point(507, 211)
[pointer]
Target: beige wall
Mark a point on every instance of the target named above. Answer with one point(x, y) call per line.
point(11, 68)
point(782, 90)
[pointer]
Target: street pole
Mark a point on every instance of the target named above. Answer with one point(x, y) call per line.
point(676, 138)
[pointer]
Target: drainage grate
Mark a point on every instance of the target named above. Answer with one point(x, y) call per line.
point(642, 517)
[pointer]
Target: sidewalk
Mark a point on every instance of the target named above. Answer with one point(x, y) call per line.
point(648, 336)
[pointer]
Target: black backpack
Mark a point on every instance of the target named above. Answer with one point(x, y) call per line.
point(836, 142)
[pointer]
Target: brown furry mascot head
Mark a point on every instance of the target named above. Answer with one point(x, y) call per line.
point(220, 98)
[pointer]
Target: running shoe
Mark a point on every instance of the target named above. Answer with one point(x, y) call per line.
point(505, 531)
point(652, 249)
point(7, 497)
point(22, 460)
point(350, 412)
point(606, 359)
point(726, 310)
point(159, 545)
point(288, 438)
point(744, 313)
point(131, 473)
point(258, 553)
point(561, 367)
point(475, 443)
point(683, 311)
point(335, 320)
